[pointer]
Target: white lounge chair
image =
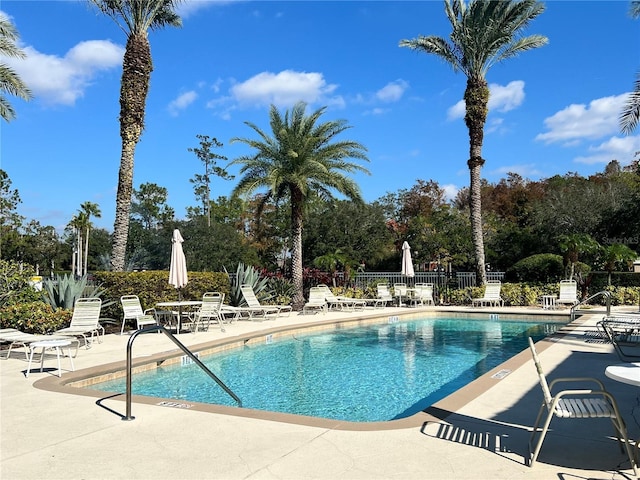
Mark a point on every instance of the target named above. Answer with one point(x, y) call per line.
point(341, 302)
point(19, 339)
point(384, 294)
point(132, 310)
point(491, 296)
point(254, 305)
point(422, 294)
point(208, 312)
point(316, 301)
point(568, 293)
point(85, 321)
point(578, 402)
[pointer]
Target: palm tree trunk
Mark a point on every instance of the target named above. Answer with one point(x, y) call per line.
point(136, 72)
point(476, 97)
point(86, 251)
point(296, 249)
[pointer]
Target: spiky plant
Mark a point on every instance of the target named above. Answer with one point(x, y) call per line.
point(246, 275)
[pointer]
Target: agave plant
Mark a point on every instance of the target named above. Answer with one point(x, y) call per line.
point(247, 275)
point(64, 290)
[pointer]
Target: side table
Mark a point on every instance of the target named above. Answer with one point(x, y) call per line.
point(549, 302)
point(57, 345)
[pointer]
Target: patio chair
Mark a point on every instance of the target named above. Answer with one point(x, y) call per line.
point(132, 310)
point(491, 296)
point(85, 321)
point(316, 301)
point(579, 402)
point(18, 339)
point(568, 293)
point(384, 294)
point(254, 305)
point(423, 293)
point(623, 332)
point(341, 302)
point(208, 312)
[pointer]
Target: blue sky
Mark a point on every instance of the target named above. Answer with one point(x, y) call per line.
point(553, 110)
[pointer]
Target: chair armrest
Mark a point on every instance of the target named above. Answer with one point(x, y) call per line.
point(577, 379)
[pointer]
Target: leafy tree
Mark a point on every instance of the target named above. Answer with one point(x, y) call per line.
point(10, 81)
point(358, 230)
point(135, 18)
point(10, 221)
point(214, 248)
point(42, 247)
point(149, 205)
point(300, 159)
point(202, 183)
point(483, 33)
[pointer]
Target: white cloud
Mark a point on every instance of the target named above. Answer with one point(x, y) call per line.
point(616, 148)
point(283, 89)
point(501, 99)
point(525, 170)
point(62, 80)
point(450, 191)
point(188, 7)
point(579, 121)
point(182, 102)
point(392, 91)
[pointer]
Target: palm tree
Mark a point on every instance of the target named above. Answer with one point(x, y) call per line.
point(88, 209)
point(300, 160)
point(574, 245)
point(630, 116)
point(615, 255)
point(10, 82)
point(135, 18)
point(483, 33)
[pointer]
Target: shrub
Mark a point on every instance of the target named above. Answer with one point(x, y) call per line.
point(153, 287)
point(281, 290)
point(542, 268)
point(34, 317)
point(14, 283)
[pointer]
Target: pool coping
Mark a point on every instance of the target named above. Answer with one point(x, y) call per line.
point(436, 412)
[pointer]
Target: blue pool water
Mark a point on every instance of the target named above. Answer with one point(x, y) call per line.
point(374, 373)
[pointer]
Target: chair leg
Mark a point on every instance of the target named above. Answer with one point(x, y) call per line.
point(543, 433)
point(621, 435)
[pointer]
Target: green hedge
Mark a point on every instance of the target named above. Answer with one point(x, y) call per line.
point(153, 287)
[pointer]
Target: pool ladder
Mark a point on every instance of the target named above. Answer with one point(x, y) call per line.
point(180, 345)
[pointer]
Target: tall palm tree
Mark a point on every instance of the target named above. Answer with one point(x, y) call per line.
point(483, 33)
point(88, 209)
point(135, 18)
point(300, 160)
point(10, 82)
point(630, 116)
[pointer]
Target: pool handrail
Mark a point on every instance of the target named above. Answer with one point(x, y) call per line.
point(182, 347)
point(607, 297)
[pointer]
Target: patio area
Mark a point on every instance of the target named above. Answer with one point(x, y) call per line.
point(479, 432)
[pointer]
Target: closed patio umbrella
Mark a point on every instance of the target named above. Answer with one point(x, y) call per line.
point(178, 268)
point(407, 263)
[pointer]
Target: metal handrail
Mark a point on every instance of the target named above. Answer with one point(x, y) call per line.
point(188, 352)
point(603, 293)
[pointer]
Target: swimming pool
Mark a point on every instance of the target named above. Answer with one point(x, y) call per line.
point(374, 373)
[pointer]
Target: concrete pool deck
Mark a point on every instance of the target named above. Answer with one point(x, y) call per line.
point(479, 432)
